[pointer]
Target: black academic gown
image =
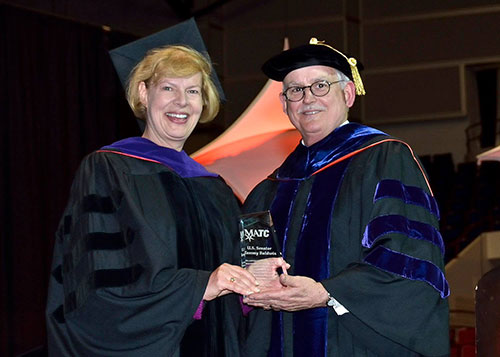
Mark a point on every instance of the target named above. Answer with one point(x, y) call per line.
point(360, 219)
point(132, 258)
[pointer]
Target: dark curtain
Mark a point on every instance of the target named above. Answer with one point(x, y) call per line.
point(60, 99)
point(487, 94)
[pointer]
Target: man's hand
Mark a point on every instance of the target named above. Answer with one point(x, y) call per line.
point(296, 293)
point(266, 272)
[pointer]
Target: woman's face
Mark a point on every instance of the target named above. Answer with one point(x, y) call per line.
point(173, 108)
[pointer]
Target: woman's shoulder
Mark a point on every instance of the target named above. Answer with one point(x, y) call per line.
point(116, 160)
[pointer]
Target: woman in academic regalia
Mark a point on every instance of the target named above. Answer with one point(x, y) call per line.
point(139, 262)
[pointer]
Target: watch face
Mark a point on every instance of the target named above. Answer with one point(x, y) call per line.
point(331, 301)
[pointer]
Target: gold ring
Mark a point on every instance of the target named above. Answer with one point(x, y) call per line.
point(232, 279)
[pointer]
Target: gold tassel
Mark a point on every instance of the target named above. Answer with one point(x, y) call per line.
point(358, 83)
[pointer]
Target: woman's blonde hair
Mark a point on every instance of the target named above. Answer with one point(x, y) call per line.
point(173, 61)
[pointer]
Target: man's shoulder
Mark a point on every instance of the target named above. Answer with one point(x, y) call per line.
point(386, 143)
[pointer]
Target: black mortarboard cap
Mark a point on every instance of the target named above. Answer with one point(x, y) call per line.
point(126, 57)
point(312, 54)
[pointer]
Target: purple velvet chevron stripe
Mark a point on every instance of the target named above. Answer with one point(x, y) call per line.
point(409, 268)
point(312, 259)
point(310, 327)
point(398, 224)
point(408, 194)
point(281, 211)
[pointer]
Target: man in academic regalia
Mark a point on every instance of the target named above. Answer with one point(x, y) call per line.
point(357, 221)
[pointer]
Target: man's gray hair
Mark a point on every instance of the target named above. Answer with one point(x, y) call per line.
point(343, 78)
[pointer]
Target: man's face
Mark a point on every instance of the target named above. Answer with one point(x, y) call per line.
point(316, 117)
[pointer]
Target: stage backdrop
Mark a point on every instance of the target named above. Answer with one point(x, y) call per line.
point(490, 155)
point(61, 99)
point(256, 144)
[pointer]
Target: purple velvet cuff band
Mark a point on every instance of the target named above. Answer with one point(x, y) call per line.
point(244, 307)
point(199, 311)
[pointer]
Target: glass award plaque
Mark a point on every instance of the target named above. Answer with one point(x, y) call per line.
point(259, 242)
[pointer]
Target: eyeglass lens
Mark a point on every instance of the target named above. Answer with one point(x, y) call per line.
point(318, 89)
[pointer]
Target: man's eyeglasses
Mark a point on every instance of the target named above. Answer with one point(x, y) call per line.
point(318, 89)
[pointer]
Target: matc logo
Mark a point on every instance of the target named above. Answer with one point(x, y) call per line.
point(251, 234)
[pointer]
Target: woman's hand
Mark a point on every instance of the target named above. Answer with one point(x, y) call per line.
point(229, 278)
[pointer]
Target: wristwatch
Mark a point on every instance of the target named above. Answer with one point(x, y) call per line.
point(332, 302)
point(337, 306)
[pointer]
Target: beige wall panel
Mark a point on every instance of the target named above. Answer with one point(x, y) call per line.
point(373, 9)
point(424, 41)
point(257, 13)
point(246, 51)
point(412, 95)
point(352, 9)
point(355, 111)
point(214, 39)
point(433, 137)
point(353, 46)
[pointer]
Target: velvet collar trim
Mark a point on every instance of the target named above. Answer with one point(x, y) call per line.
point(144, 149)
point(305, 161)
